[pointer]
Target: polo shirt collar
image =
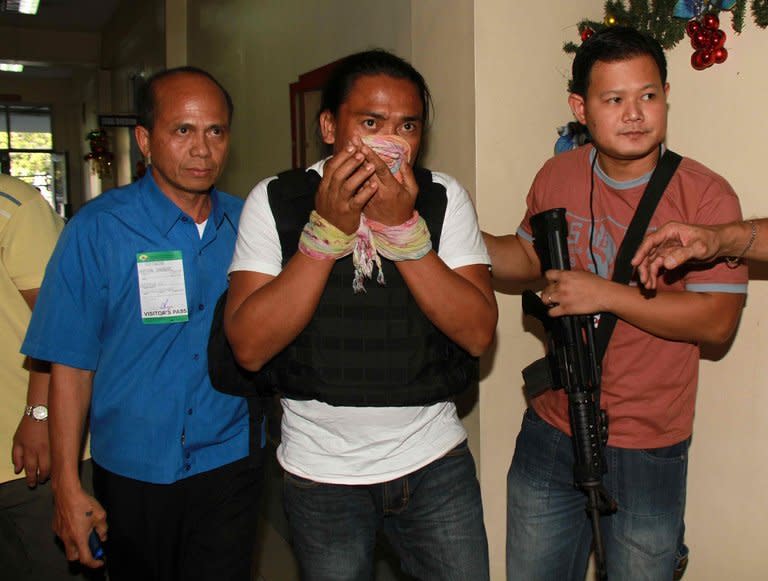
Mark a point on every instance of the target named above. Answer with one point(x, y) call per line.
point(164, 214)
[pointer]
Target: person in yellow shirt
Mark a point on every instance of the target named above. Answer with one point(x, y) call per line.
point(29, 229)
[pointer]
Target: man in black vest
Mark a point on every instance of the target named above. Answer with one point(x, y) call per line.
point(370, 437)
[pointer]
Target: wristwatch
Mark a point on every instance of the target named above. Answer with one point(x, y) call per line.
point(39, 413)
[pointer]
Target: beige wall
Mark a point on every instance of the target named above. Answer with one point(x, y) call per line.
point(256, 49)
point(442, 37)
point(716, 117)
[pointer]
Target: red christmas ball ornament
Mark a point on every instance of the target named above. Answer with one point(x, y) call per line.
point(699, 40)
point(718, 39)
point(586, 34)
point(696, 61)
point(720, 54)
point(702, 59)
point(692, 28)
point(711, 21)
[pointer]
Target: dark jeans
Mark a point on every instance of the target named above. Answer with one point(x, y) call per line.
point(199, 528)
point(548, 533)
point(29, 549)
point(433, 518)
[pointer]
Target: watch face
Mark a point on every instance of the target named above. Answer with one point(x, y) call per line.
point(40, 413)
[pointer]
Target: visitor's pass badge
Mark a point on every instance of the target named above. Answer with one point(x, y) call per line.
point(162, 291)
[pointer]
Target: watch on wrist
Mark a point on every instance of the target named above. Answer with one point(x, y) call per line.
point(39, 412)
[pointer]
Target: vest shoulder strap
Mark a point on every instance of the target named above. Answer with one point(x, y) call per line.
point(431, 203)
point(291, 199)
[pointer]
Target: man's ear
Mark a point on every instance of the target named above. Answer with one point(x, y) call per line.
point(328, 127)
point(576, 103)
point(142, 140)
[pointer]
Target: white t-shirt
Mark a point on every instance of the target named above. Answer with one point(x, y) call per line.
point(361, 445)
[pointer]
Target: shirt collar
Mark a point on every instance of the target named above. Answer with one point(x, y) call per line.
point(164, 214)
point(319, 166)
point(616, 184)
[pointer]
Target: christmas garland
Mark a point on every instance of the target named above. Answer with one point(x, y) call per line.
point(760, 12)
point(668, 21)
point(100, 156)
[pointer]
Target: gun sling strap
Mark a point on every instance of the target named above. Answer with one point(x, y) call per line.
point(622, 270)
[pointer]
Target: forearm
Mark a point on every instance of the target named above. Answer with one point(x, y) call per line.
point(69, 400)
point(733, 238)
point(264, 314)
point(513, 259)
point(76, 513)
point(31, 449)
point(677, 315)
point(39, 382)
point(460, 303)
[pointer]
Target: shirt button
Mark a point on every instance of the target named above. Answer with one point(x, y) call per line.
point(189, 412)
point(184, 219)
point(196, 356)
point(187, 467)
point(200, 307)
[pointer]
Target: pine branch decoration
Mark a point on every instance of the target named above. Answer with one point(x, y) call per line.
point(655, 17)
point(760, 12)
point(738, 16)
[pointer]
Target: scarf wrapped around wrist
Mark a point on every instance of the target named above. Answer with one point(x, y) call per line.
point(410, 240)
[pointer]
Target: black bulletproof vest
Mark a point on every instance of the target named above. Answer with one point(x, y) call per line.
point(370, 349)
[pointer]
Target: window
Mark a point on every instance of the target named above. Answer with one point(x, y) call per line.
point(26, 150)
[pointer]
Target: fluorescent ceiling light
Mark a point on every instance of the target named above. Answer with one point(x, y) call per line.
point(11, 67)
point(28, 6)
point(21, 6)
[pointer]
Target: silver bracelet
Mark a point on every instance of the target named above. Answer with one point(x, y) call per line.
point(733, 261)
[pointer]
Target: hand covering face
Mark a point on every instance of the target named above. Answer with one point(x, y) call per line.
point(391, 149)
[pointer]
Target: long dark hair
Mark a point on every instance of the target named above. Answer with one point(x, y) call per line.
point(366, 64)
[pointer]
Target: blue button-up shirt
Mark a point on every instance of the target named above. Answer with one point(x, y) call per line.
point(154, 415)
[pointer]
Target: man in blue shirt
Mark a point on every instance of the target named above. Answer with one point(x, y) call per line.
point(123, 314)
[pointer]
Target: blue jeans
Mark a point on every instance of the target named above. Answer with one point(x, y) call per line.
point(548, 532)
point(433, 518)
